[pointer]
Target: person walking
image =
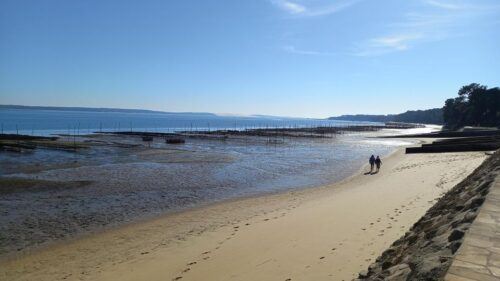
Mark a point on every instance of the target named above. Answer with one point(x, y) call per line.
point(378, 163)
point(372, 162)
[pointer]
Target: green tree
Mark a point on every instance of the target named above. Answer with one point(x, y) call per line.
point(476, 105)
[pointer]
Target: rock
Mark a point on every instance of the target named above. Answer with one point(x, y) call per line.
point(430, 234)
point(425, 244)
point(454, 246)
point(456, 223)
point(374, 267)
point(363, 274)
point(476, 203)
point(469, 217)
point(399, 272)
point(412, 239)
point(456, 234)
point(386, 265)
point(444, 259)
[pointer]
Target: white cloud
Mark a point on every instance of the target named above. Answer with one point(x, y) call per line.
point(397, 42)
point(298, 8)
point(293, 50)
point(443, 5)
point(445, 20)
point(290, 7)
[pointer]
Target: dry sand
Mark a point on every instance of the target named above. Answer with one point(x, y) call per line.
point(325, 233)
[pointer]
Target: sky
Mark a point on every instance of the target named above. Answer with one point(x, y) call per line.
point(300, 58)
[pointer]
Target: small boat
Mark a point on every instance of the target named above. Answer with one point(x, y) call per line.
point(175, 141)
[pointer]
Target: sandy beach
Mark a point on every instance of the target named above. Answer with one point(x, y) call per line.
point(325, 233)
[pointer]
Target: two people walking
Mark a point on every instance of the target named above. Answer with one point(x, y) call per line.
point(375, 162)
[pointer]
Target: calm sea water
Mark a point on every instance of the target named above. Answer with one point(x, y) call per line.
point(45, 122)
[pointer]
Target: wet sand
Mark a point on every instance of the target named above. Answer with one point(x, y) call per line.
point(326, 233)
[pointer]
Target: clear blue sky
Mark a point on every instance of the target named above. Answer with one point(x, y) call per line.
point(279, 57)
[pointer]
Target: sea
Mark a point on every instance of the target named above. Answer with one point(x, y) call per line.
point(46, 122)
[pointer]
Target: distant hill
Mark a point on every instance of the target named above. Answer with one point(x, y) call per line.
point(429, 116)
point(94, 109)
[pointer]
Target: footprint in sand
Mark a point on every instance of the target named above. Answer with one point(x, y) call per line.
point(186, 270)
point(177, 278)
point(247, 224)
point(321, 258)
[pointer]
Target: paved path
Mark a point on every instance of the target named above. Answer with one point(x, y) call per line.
point(479, 256)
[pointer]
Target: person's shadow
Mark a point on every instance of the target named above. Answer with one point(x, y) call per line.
point(368, 173)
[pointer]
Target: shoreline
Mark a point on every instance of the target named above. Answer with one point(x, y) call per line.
point(154, 236)
point(301, 191)
point(28, 247)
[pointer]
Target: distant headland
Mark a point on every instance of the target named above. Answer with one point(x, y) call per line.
point(96, 109)
point(429, 116)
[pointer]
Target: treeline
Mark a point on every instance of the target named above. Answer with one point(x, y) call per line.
point(476, 105)
point(429, 116)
